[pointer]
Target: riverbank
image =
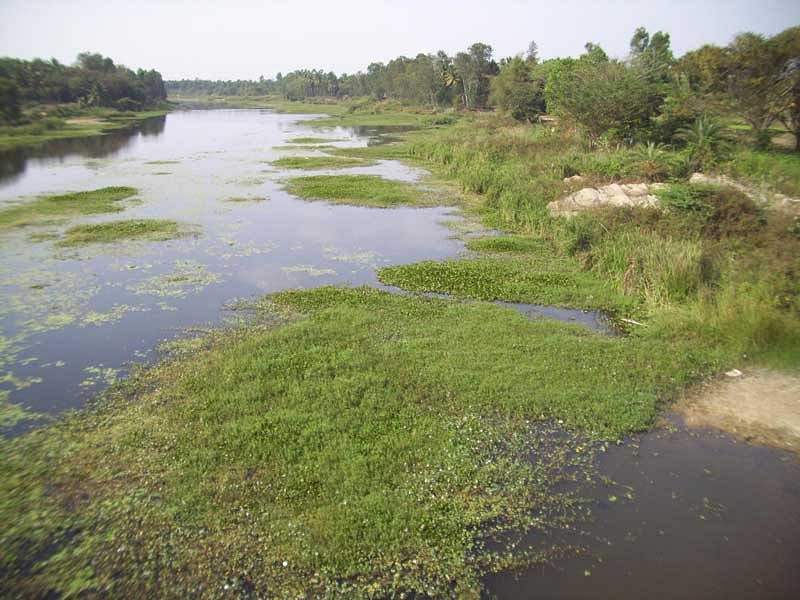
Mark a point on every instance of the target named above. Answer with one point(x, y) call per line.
point(78, 123)
point(358, 443)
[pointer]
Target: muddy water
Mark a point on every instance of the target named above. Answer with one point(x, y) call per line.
point(692, 515)
point(71, 320)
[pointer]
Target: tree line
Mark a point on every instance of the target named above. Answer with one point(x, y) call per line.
point(647, 96)
point(92, 81)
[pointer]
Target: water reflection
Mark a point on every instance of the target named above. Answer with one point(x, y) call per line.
point(14, 162)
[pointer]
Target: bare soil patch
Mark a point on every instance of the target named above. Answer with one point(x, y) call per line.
point(760, 406)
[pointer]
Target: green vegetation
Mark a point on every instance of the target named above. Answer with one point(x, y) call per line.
point(363, 451)
point(359, 190)
point(507, 244)
point(93, 81)
point(114, 231)
point(395, 151)
point(62, 206)
point(532, 279)
point(45, 100)
point(320, 162)
point(354, 443)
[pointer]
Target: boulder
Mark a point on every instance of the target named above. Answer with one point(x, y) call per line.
point(634, 194)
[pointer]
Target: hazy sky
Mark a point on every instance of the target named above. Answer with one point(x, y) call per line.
point(246, 38)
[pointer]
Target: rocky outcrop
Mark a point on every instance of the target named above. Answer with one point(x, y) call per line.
point(614, 195)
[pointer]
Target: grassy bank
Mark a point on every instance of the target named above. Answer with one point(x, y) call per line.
point(79, 123)
point(713, 266)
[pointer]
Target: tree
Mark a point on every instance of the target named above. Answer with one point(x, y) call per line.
point(9, 101)
point(788, 48)
point(652, 54)
point(756, 83)
point(603, 97)
point(707, 141)
point(532, 55)
point(473, 69)
point(516, 93)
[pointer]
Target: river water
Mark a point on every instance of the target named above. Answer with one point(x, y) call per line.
point(72, 319)
point(704, 516)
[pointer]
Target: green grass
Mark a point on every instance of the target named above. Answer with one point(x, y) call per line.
point(358, 190)
point(163, 162)
point(396, 151)
point(368, 450)
point(777, 169)
point(115, 231)
point(319, 162)
point(529, 280)
point(63, 206)
point(507, 244)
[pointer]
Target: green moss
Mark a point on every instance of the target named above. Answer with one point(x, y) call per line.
point(363, 451)
point(114, 231)
point(319, 162)
point(360, 190)
point(62, 206)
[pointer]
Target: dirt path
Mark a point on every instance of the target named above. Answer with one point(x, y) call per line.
point(760, 406)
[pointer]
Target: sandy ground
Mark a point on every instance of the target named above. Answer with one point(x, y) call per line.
point(85, 121)
point(760, 406)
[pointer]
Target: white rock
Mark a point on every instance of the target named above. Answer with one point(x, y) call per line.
point(734, 373)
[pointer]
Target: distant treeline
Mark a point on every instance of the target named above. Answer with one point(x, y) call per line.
point(93, 81)
point(438, 79)
point(647, 96)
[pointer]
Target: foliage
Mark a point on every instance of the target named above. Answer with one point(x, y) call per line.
point(9, 102)
point(708, 141)
point(756, 84)
point(515, 92)
point(94, 80)
point(603, 97)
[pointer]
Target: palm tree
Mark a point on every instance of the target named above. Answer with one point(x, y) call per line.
point(707, 140)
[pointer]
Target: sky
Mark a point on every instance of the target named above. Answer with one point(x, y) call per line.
point(244, 39)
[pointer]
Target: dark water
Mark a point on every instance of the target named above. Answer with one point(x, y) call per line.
point(709, 518)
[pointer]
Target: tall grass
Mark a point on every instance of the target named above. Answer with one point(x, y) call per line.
point(713, 265)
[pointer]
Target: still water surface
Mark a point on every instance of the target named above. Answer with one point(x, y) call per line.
point(72, 318)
